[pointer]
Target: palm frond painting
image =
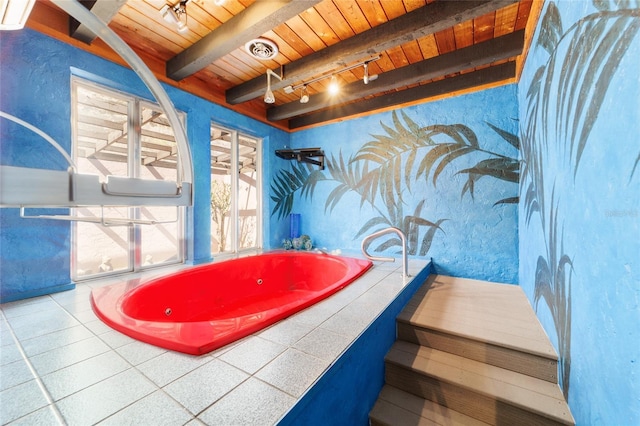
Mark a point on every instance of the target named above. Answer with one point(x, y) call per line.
point(439, 145)
point(384, 171)
point(563, 102)
point(553, 286)
point(287, 183)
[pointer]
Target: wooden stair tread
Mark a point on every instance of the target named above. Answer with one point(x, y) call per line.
point(500, 356)
point(499, 314)
point(397, 407)
point(531, 394)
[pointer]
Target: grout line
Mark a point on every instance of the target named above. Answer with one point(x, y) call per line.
point(35, 375)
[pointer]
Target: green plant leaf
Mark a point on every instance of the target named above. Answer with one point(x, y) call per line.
point(408, 168)
point(610, 51)
point(536, 82)
point(427, 240)
point(434, 154)
point(551, 29)
point(511, 138)
point(635, 166)
point(500, 168)
point(543, 285)
point(286, 183)
point(309, 185)
point(448, 158)
point(469, 185)
point(415, 130)
point(391, 242)
point(334, 197)
point(370, 224)
point(509, 200)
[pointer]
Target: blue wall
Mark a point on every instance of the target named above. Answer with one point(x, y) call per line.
point(580, 200)
point(573, 242)
point(35, 86)
point(381, 172)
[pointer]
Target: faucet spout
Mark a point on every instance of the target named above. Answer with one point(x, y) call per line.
point(367, 240)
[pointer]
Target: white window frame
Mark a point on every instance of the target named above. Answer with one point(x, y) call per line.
point(135, 105)
point(234, 215)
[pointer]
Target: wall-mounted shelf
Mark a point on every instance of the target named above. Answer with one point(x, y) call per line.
point(304, 155)
point(28, 187)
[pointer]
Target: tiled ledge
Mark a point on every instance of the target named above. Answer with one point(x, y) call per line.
point(61, 364)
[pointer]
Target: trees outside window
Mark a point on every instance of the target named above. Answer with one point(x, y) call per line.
point(235, 191)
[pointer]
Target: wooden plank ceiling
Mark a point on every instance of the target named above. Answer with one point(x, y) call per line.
point(418, 49)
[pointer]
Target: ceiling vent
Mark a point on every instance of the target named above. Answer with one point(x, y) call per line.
point(262, 48)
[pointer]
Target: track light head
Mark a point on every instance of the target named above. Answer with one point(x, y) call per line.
point(269, 97)
point(173, 15)
point(304, 98)
point(334, 88)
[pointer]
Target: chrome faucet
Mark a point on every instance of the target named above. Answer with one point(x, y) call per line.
point(367, 240)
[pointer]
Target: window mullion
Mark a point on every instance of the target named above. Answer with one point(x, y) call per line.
point(133, 165)
point(234, 213)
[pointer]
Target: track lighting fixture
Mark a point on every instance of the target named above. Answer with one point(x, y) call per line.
point(269, 97)
point(334, 87)
point(304, 96)
point(174, 15)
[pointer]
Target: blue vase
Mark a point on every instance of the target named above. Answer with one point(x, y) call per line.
point(294, 226)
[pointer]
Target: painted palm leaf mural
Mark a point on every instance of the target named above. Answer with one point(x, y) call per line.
point(385, 171)
point(563, 101)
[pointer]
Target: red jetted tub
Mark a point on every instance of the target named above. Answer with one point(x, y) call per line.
point(203, 308)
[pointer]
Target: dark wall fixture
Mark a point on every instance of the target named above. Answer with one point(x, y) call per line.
point(303, 155)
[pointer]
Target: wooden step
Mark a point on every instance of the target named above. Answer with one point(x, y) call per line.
point(396, 407)
point(488, 322)
point(485, 392)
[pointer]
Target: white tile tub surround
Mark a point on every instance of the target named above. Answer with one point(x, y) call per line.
point(60, 364)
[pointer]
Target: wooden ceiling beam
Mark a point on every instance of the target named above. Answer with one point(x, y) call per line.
point(421, 22)
point(103, 9)
point(252, 22)
point(482, 77)
point(467, 58)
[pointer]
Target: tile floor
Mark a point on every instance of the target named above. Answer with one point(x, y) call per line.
point(59, 364)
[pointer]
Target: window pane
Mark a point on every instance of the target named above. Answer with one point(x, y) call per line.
point(158, 161)
point(101, 249)
point(234, 191)
point(247, 196)
point(160, 243)
point(159, 151)
point(220, 190)
point(101, 148)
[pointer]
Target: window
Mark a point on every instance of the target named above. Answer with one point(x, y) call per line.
point(235, 191)
point(121, 135)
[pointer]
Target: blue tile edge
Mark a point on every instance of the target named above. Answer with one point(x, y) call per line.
point(346, 393)
point(13, 296)
point(196, 262)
